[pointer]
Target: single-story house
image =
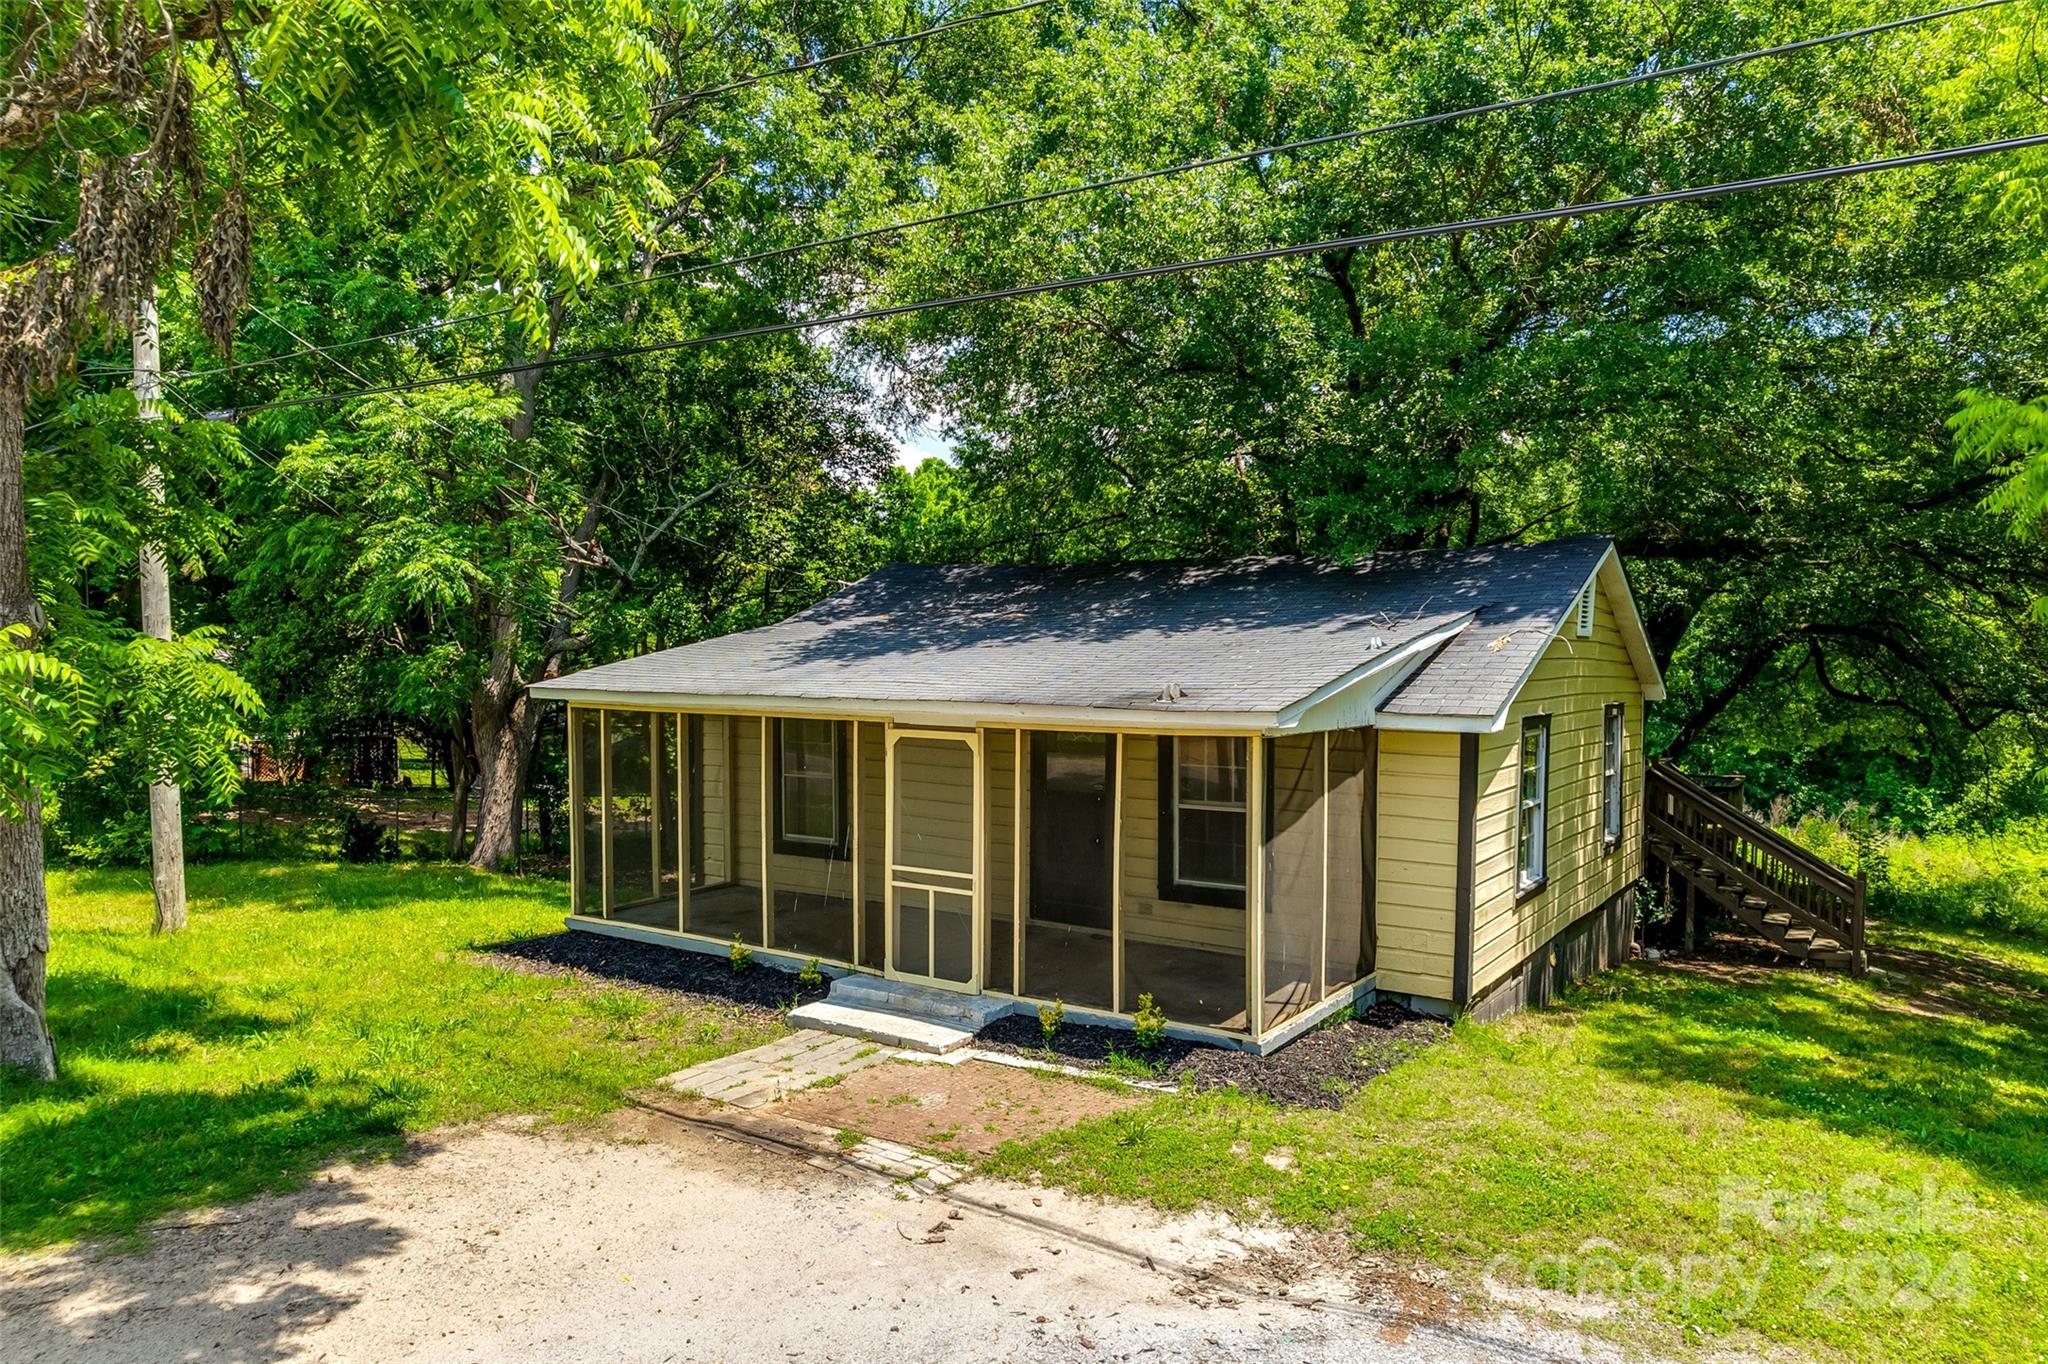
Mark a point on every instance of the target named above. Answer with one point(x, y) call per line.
point(1254, 791)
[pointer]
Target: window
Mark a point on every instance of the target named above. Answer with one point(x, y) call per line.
point(810, 773)
point(1531, 831)
point(1610, 773)
point(1206, 796)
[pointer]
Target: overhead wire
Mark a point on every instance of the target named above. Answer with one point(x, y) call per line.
point(1689, 194)
point(1653, 74)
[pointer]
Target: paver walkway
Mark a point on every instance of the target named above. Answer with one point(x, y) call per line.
point(774, 1070)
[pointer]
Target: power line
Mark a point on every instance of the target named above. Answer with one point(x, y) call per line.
point(1527, 216)
point(1180, 168)
point(817, 62)
point(1329, 139)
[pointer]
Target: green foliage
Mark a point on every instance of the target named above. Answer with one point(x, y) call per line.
point(1148, 1023)
point(365, 840)
point(741, 957)
point(310, 1014)
point(1987, 882)
point(1051, 1017)
point(811, 974)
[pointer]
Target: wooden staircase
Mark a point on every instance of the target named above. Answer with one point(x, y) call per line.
point(1809, 909)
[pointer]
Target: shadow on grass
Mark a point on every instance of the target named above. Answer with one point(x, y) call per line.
point(311, 885)
point(1844, 1055)
point(94, 1013)
point(94, 1162)
point(695, 977)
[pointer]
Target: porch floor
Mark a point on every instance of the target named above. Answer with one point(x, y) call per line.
point(1195, 985)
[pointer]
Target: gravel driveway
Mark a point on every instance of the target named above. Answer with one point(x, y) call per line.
point(659, 1241)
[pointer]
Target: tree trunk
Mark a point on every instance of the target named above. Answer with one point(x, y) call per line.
point(497, 713)
point(24, 911)
point(166, 815)
point(458, 786)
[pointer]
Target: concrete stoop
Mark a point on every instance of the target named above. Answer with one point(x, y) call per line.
point(898, 1014)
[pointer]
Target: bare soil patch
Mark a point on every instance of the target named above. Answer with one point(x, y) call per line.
point(967, 1109)
point(693, 977)
point(1320, 1069)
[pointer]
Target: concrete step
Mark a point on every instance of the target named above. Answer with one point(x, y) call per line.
point(951, 1007)
point(882, 1026)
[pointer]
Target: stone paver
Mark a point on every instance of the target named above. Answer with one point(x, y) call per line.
point(774, 1070)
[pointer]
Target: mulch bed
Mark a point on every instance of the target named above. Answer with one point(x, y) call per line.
point(1320, 1069)
point(693, 976)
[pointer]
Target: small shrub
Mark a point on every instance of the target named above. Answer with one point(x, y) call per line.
point(1050, 1019)
point(1148, 1024)
point(365, 840)
point(741, 955)
point(811, 974)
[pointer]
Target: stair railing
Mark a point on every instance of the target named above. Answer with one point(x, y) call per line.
point(1727, 840)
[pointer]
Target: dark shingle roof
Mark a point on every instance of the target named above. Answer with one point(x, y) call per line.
point(1247, 636)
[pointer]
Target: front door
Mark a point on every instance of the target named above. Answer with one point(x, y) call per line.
point(934, 858)
point(1072, 801)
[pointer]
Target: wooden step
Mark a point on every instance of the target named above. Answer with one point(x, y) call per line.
point(1756, 902)
point(1780, 920)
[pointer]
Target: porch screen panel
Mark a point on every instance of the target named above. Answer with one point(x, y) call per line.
point(589, 812)
point(1294, 881)
point(933, 892)
point(725, 894)
point(1000, 801)
point(1188, 956)
point(630, 755)
point(671, 802)
point(810, 776)
point(1348, 940)
point(872, 816)
point(1070, 792)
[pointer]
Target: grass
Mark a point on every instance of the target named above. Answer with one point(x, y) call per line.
point(310, 1012)
point(1857, 1169)
point(1993, 881)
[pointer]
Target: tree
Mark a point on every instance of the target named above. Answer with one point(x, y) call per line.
point(1750, 394)
point(110, 113)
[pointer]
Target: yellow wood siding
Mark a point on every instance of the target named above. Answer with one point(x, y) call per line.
point(1576, 679)
point(1417, 877)
point(1148, 918)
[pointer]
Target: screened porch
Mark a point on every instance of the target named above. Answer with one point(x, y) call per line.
point(1090, 867)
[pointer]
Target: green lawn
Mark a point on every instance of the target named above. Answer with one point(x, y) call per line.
point(310, 1012)
point(1592, 1150)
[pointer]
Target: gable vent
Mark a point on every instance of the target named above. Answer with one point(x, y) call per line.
point(1586, 612)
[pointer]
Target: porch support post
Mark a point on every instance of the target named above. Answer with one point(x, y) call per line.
point(1116, 881)
point(1017, 862)
point(683, 831)
point(767, 839)
point(575, 747)
point(853, 840)
point(604, 812)
point(977, 937)
point(888, 849)
point(1255, 884)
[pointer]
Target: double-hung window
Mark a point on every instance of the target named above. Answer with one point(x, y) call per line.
point(1206, 819)
point(1532, 827)
point(1612, 732)
point(810, 774)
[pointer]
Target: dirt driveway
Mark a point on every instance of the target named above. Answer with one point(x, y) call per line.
point(660, 1241)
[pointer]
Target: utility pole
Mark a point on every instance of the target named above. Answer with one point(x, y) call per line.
point(166, 820)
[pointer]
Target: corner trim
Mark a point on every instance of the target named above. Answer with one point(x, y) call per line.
point(1461, 929)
